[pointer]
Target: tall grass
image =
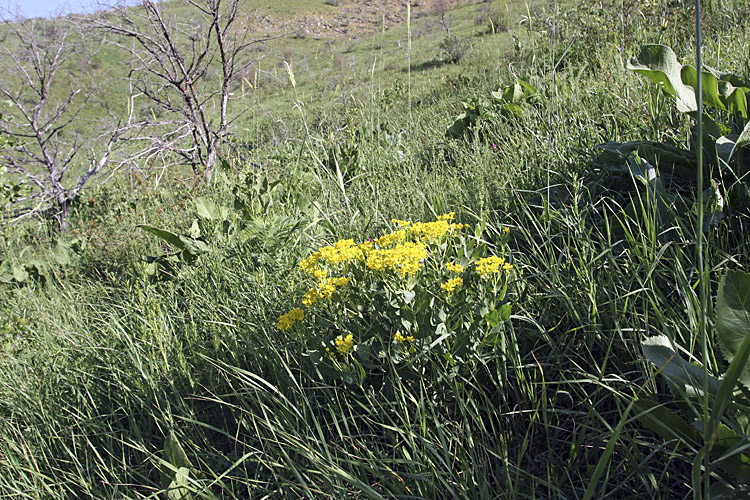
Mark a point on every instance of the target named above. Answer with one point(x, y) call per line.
point(105, 368)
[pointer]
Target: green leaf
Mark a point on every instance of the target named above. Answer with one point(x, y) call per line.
point(493, 317)
point(174, 453)
point(206, 209)
point(687, 376)
point(195, 230)
point(734, 98)
point(729, 451)
point(505, 311)
point(165, 235)
point(733, 324)
point(20, 273)
point(742, 141)
point(6, 274)
point(193, 246)
point(665, 423)
point(659, 64)
point(711, 96)
point(657, 153)
point(61, 254)
point(179, 487)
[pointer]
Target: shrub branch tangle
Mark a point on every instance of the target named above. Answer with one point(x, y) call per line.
point(183, 67)
point(46, 65)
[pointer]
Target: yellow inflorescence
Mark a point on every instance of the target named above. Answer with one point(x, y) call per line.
point(490, 265)
point(400, 223)
point(323, 291)
point(402, 251)
point(391, 239)
point(400, 339)
point(344, 345)
point(341, 251)
point(450, 285)
point(287, 320)
point(405, 259)
point(454, 267)
point(431, 231)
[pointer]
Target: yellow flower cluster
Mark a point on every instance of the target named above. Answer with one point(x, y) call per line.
point(402, 251)
point(492, 264)
point(341, 251)
point(405, 259)
point(323, 291)
point(344, 345)
point(450, 285)
point(287, 320)
point(400, 339)
point(390, 239)
point(454, 267)
point(431, 231)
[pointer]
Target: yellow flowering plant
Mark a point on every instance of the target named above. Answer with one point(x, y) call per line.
point(424, 290)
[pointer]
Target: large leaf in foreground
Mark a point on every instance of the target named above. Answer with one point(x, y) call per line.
point(686, 376)
point(659, 64)
point(733, 322)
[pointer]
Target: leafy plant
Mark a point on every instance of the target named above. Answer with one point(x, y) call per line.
point(179, 478)
point(506, 102)
point(726, 129)
point(424, 291)
point(27, 267)
point(729, 420)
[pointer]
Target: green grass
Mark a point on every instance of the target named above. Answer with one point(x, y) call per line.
point(102, 363)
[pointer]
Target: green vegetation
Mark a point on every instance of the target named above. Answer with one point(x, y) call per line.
point(289, 330)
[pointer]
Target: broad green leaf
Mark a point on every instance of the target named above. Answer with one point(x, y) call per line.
point(459, 127)
point(724, 147)
point(511, 108)
point(664, 422)
point(659, 64)
point(6, 274)
point(729, 451)
point(195, 230)
point(711, 127)
point(178, 488)
point(493, 317)
point(734, 80)
point(687, 376)
point(165, 235)
point(734, 98)
point(711, 95)
point(206, 209)
point(742, 141)
point(655, 152)
point(193, 246)
point(174, 453)
point(20, 273)
point(733, 324)
point(61, 254)
point(528, 89)
point(505, 311)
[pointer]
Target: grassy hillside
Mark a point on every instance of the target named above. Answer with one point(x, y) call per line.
point(171, 344)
